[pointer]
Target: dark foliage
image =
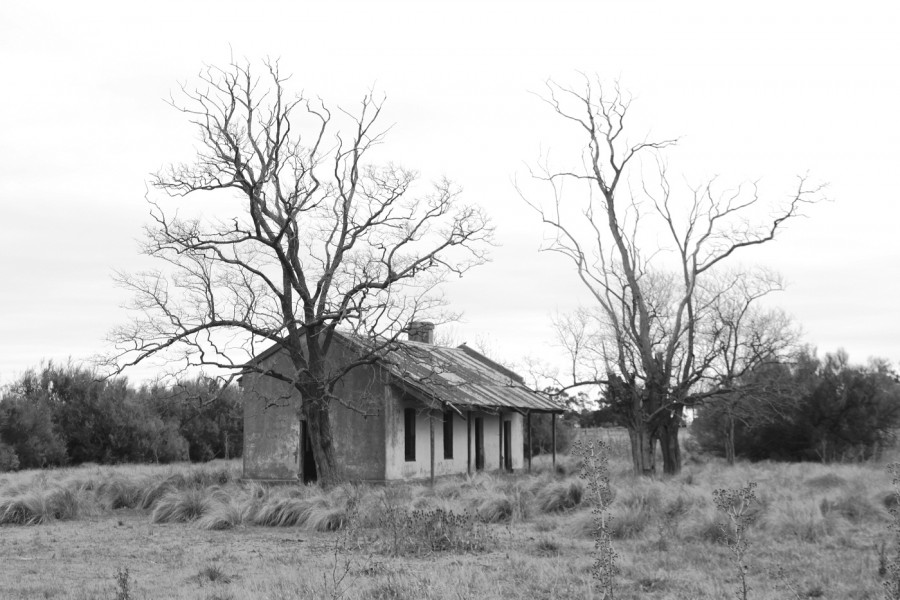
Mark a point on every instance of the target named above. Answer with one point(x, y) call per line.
point(829, 410)
point(605, 416)
point(58, 415)
point(542, 434)
point(28, 431)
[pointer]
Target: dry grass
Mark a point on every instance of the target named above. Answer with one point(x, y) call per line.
point(197, 532)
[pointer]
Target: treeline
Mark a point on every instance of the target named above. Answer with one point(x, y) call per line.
point(64, 415)
point(811, 410)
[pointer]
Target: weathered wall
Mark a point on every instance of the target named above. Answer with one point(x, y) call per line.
point(398, 468)
point(359, 432)
point(271, 428)
point(272, 423)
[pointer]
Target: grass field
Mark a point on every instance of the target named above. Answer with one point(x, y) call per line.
point(197, 532)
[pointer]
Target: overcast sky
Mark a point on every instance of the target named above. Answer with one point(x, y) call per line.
point(756, 91)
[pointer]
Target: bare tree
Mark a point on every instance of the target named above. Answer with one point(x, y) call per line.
point(308, 238)
point(654, 265)
point(742, 340)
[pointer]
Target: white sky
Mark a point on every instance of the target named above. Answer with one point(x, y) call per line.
point(757, 90)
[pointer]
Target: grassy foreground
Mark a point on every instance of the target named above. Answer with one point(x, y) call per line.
point(197, 532)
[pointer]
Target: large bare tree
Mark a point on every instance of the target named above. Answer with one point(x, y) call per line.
point(301, 235)
point(654, 262)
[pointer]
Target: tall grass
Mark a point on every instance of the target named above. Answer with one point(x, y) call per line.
point(39, 505)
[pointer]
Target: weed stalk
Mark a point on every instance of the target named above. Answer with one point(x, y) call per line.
point(735, 504)
point(595, 472)
point(891, 566)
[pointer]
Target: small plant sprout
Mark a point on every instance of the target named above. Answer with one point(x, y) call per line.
point(735, 504)
point(595, 473)
point(890, 566)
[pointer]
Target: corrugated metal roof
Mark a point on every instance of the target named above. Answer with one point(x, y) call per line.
point(463, 377)
point(459, 376)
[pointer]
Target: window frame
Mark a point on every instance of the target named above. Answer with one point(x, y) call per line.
point(448, 434)
point(409, 434)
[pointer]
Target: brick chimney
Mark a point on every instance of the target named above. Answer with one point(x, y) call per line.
point(421, 331)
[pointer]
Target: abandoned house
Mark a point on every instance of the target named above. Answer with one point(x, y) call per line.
point(420, 412)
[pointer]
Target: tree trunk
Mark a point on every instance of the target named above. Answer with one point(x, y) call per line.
point(729, 440)
point(318, 425)
point(643, 446)
point(671, 451)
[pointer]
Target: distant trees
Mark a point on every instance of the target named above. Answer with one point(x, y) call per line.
point(27, 430)
point(542, 434)
point(59, 415)
point(655, 263)
point(812, 409)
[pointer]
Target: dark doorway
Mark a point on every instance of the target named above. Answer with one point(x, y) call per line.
point(507, 445)
point(307, 460)
point(479, 443)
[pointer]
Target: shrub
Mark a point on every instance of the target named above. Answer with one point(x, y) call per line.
point(27, 427)
point(819, 409)
point(9, 461)
point(402, 532)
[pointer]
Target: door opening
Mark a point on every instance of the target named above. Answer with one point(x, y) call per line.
point(479, 443)
point(307, 460)
point(507, 445)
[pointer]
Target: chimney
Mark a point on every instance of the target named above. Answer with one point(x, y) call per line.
point(421, 331)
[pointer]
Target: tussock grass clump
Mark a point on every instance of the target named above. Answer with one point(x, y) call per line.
point(826, 482)
point(208, 476)
point(800, 518)
point(327, 518)
point(220, 515)
point(154, 488)
point(176, 506)
point(494, 508)
point(39, 505)
point(118, 492)
point(318, 513)
point(560, 496)
point(565, 465)
point(451, 488)
point(213, 573)
point(281, 512)
point(628, 522)
point(853, 506)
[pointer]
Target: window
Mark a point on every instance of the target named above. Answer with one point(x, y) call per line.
point(409, 434)
point(448, 434)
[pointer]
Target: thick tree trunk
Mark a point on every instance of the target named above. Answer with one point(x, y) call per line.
point(667, 431)
point(643, 446)
point(671, 451)
point(318, 423)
